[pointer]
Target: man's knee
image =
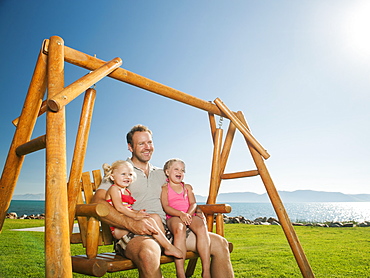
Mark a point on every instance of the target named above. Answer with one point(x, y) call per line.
point(143, 249)
point(219, 244)
point(150, 254)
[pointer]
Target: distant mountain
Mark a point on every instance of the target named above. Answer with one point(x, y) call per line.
point(289, 197)
point(38, 197)
point(250, 197)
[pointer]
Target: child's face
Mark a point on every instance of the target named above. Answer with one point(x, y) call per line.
point(176, 172)
point(122, 176)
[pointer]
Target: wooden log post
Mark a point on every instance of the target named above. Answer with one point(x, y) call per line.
point(80, 153)
point(279, 208)
point(92, 238)
point(241, 128)
point(236, 175)
point(215, 175)
point(89, 62)
point(73, 90)
point(34, 145)
point(42, 109)
point(23, 132)
point(212, 124)
point(57, 244)
point(226, 151)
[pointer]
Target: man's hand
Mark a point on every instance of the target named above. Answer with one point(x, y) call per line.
point(143, 227)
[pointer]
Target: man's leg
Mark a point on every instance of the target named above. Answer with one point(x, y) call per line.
point(145, 253)
point(220, 264)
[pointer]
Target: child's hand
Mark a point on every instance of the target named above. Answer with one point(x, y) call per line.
point(140, 214)
point(200, 214)
point(186, 218)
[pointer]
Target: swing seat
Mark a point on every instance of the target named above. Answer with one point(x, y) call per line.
point(94, 233)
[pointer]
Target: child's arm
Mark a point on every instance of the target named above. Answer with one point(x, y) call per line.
point(192, 201)
point(115, 195)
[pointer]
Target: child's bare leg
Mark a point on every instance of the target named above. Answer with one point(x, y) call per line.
point(169, 249)
point(178, 230)
point(203, 245)
point(119, 233)
point(158, 219)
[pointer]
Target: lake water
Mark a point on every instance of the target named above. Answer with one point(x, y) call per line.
point(307, 212)
point(298, 212)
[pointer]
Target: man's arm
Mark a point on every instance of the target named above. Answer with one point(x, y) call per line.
point(116, 219)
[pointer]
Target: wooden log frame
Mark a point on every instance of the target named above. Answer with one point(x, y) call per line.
point(93, 233)
point(57, 259)
point(49, 71)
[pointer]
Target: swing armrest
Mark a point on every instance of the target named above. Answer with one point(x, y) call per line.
point(215, 208)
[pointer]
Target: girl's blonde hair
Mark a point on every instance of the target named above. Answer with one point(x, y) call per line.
point(168, 164)
point(108, 169)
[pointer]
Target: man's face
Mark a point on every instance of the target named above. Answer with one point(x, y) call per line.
point(142, 146)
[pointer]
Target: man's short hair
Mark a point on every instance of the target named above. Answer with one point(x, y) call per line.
point(136, 128)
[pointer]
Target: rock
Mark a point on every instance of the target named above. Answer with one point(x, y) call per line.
point(12, 215)
point(335, 224)
point(271, 220)
point(321, 225)
point(260, 219)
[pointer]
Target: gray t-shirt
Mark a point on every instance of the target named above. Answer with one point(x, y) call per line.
point(146, 190)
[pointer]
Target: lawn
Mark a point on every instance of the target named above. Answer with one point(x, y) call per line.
point(259, 251)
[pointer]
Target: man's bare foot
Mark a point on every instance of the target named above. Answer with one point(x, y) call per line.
point(174, 251)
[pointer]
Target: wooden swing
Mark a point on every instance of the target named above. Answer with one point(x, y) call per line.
point(59, 198)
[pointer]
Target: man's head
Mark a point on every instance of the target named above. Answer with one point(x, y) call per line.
point(140, 143)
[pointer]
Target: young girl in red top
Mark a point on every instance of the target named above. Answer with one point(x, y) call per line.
point(179, 203)
point(122, 174)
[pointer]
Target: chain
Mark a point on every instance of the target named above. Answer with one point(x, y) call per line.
point(220, 122)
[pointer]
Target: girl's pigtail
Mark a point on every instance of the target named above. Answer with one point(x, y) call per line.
point(107, 172)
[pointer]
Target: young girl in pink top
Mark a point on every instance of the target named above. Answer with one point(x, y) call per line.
point(122, 174)
point(179, 203)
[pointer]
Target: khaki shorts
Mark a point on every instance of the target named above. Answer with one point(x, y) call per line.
point(121, 244)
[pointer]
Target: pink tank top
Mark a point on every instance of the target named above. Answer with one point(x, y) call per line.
point(179, 201)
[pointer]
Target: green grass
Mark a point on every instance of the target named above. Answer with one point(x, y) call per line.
point(259, 251)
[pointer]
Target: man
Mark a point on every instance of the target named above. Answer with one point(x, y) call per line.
point(143, 250)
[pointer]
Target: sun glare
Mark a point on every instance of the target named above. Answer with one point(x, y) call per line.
point(357, 30)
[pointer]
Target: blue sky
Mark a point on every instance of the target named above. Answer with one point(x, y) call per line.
point(299, 71)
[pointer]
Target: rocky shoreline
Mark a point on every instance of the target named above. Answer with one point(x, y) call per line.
point(237, 220)
point(274, 221)
point(13, 215)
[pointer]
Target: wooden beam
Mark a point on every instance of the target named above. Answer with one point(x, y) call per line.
point(73, 90)
point(279, 209)
point(23, 133)
point(212, 208)
point(242, 128)
point(79, 153)
point(42, 110)
point(57, 243)
point(34, 145)
point(212, 124)
point(96, 210)
point(83, 60)
point(237, 175)
point(215, 175)
point(215, 172)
